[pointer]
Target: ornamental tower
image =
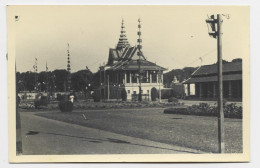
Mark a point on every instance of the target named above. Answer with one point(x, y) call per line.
point(139, 53)
point(123, 42)
point(68, 69)
point(139, 40)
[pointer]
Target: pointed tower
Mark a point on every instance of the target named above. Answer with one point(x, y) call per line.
point(123, 42)
point(139, 40)
point(68, 69)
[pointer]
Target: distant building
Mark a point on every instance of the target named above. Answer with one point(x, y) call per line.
point(125, 63)
point(205, 81)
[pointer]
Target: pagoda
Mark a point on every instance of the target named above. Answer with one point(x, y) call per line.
point(127, 68)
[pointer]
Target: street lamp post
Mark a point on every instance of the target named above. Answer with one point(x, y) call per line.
point(216, 32)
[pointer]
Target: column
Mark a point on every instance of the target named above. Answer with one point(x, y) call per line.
point(104, 77)
point(162, 78)
point(157, 77)
point(230, 89)
point(124, 80)
point(130, 77)
point(200, 90)
point(214, 90)
point(147, 79)
point(208, 90)
point(188, 87)
point(151, 78)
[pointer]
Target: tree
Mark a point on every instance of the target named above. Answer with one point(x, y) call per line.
point(28, 79)
point(181, 75)
point(123, 94)
point(237, 60)
point(60, 78)
point(81, 80)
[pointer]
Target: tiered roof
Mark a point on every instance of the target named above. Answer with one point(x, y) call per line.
point(123, 42)
point(125, 57)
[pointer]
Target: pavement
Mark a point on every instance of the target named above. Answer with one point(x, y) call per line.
point(42, 136)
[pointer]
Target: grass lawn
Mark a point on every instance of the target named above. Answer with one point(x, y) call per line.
point(198, 132)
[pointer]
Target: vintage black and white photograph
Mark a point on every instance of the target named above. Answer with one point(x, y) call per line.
point(103, 82)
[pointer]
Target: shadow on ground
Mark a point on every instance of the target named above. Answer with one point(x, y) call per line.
point(97, 140)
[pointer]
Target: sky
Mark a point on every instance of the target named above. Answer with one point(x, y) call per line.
point(173, 36)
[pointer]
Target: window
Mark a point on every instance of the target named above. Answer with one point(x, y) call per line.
point(134, 92)
point(128, 91)
point(148, 91)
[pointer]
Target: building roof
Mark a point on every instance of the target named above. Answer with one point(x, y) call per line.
point(212, 69)
point(124, 57)
point(134, 65)
point(229, 77)
point(208, 73)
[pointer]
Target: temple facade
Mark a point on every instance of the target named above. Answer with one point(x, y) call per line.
point(205, 82)
point(127, 68)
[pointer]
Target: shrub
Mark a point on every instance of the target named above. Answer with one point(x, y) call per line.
point(232, 111)
point(173, 99)
point(40, 102)
point(154, 94)
point(60, 97)
point(66, 106)
point(96, 96)
point(123, 94)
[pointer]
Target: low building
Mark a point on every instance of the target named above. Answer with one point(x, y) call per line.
point(205, 81)
point(125, 64)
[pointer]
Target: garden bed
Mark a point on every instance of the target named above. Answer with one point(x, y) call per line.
point(204, 109)
point(101, 105)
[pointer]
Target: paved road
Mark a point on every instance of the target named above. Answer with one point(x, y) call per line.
point(44, 136)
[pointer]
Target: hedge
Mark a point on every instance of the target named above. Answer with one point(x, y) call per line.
point(204, 109)
point(40, 102)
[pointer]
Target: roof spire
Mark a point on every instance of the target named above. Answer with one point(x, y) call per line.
point(123, 42)
point(139, 40)
point(68, 65)
point(68, 69)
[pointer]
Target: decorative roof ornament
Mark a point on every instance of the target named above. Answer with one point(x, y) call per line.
point(68, 69)
point(68, 65)
point(123, 42)
point(139, 40)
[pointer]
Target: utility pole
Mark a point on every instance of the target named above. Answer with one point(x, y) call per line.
point(217, 33)
point(108, 93)
point(221, 130)
point(160, 81)
point(47, 82)
point(35, 74)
